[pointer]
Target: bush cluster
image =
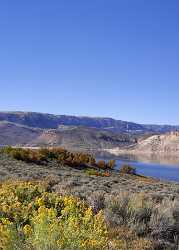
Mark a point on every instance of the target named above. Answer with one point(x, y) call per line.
point(158, 221)
point(104, 165)
point(127, 169)
point(60, 155)
point(32, 218)
point(44, 155)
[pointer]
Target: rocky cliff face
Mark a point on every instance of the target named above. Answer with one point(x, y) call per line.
point(160, 144)
point(166, 144)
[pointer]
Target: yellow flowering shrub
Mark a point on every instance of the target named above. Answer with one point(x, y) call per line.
point(31, 218)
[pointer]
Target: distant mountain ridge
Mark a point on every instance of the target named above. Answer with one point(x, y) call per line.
point(50, 121)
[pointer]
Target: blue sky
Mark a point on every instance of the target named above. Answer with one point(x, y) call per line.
point(113, 58)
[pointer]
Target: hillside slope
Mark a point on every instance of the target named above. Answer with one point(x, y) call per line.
point(70, 137)
point(82, 138)
point(15, 134)
point(49, 121)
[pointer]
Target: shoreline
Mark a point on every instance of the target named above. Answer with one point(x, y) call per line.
point(79, 183)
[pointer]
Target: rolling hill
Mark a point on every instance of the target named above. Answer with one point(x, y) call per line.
point(70, 137)
point(15, 134)
point(82, 138)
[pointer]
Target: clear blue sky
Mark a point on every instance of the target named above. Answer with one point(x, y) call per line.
point(114, 58)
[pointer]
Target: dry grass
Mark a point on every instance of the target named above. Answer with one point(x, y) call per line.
point(124, 239)
point(146, 218)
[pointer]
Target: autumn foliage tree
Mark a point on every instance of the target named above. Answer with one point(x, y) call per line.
point(44, 155)
point(111, 164)
point(101, 164)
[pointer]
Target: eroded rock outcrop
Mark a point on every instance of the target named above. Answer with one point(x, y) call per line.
point(166, 144)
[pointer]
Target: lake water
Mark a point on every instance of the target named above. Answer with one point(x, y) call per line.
point(164, 169)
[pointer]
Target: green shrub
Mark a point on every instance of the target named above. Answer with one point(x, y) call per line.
point(90, 171)
point(32, 218)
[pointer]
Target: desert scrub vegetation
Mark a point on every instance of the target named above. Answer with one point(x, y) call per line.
point(32, 218)
point(43, 156)
point(28, 210)
point(146, 217)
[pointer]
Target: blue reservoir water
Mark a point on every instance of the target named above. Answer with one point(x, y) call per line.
point(164, 169)
point(157, 170)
